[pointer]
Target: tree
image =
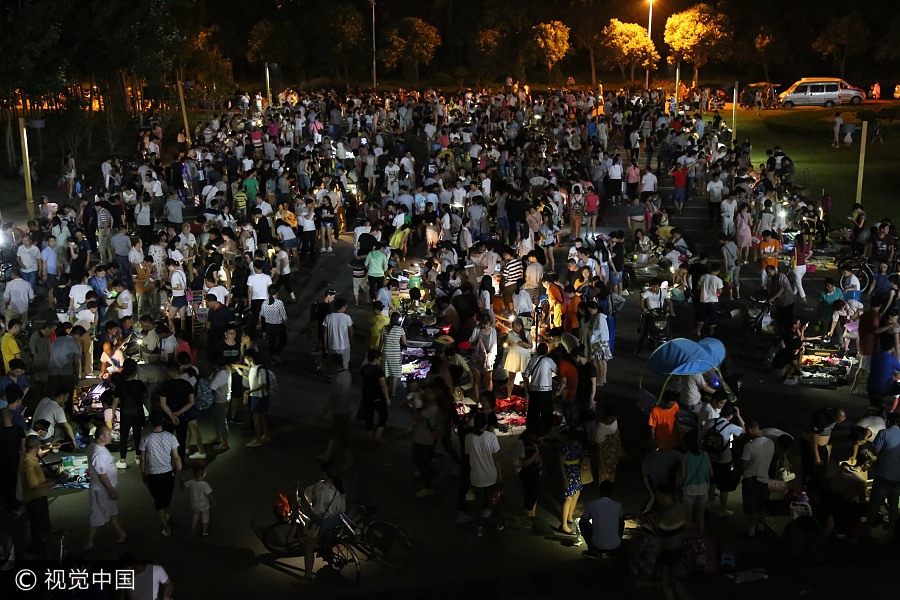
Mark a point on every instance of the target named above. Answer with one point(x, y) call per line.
point(842, 38)
point(552, 41)
point(698, 35)
point(489, 46)
point(628, 45)
point(275, 41)
point(413, 43)
point(346, 33)
point(768, 47)
point(586, 18)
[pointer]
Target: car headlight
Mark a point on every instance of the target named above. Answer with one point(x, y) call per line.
point(661, 324)
point(753, 312)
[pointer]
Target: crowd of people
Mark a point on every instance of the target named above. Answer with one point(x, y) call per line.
point(512, 220)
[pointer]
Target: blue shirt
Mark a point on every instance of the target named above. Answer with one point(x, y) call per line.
point(887, 447)
point(6, 381)
point(881, 374)
point(49, 254)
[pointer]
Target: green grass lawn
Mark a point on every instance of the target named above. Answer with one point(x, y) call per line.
point(805, 135)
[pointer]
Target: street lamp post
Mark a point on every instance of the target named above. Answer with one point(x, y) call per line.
point(374, 64)
point(649, 30)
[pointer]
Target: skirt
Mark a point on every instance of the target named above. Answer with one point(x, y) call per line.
point(601, 351)
point(516, 359)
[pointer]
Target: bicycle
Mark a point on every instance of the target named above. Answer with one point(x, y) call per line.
point(287, 538)
point(860, 267)
point(377, 536)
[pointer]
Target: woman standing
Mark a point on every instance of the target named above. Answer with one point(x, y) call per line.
point(591, 209)
point(160, 463)
point(518, 353)
point(802, 252)
point(486, 296)
point(326, 218)
point(577, 209)
point(527, 462)
point(393, 339)
point(273, 322)
point(743, 231)
point(570, 456)
point(614, 183)
point(608, 442)
point(70, 173)
point(484, 353)
point(130, 400)
point(696, 472)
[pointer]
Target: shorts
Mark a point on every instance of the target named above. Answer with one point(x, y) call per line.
point(340, 428)
point(360, 286)
point(103, 508)
point(709, 313)
point(179, 301)
point(508, 292)
point(161, 486)
point(259, 405)
point(591, 213)
point(755, 494)
point(503, 223)
point(203, 515)
point(615, 278)
point(292, 243)
point(865, 362)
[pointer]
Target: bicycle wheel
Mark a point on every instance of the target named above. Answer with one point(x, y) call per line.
point(862, 273)
point(389, 545)
point(284, 539)
point(344, 563)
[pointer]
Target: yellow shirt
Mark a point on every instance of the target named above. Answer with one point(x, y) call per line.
point(376, 324)
point(10, 348)
point(32, 478)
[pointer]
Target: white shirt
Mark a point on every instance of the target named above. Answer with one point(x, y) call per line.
point(101, 462)
point(219, 292)
point(481, 450)
point(648, 182)
point(715, 189)
point(337, 326)
point(50, 410)
point(259, 286)
point(18, 295)
point(125, 306)
point(710, 285)
point(655, 300)
point(148, 582)
point(758, 452)
point(200, 491)
point(30, 257)
point(540, 371)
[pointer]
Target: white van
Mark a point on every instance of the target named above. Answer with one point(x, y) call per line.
point(820, 91)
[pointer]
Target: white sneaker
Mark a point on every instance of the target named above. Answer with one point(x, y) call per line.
point(121, 464)
point(322, 250)
point(791, 381)
point(330, 249)
point(197, 456)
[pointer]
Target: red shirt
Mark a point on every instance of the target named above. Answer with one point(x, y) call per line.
point(680, 177)
point(568, 371)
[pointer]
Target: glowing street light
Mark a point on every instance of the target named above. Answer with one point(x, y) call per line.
point(649, 30)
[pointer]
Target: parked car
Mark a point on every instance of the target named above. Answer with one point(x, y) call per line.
point(821, 91)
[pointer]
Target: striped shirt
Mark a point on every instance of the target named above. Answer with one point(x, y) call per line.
point(104, 219)
point(273, 313)
point(512, 272)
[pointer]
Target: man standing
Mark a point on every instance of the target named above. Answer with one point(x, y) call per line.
point(121, 246)
point(769, 249)
point(755, 460)
point(102, 495)
point(257, 291)
point(376, 265)
point(710, 288)
point(257, 399)
point(49, 269)
point(34, 494)
point(887, 471)
point(29, 258)
point(781, 297)
point(538, 378)
point(339, 331)
point(17, 295)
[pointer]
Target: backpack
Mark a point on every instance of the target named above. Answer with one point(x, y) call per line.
point(271, 384)
point(203, 394)
point(713, 442)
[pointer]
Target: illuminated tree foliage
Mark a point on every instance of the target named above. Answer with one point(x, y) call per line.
point(843, 38)
point(698, 35)
point(552, 41)
point(627, 45)
point(411, 44)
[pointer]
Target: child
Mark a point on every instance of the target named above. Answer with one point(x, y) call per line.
point(201, 499)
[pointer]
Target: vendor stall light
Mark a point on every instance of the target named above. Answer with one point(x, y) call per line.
point(781, 213)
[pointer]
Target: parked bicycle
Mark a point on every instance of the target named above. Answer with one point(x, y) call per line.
point(373, 536)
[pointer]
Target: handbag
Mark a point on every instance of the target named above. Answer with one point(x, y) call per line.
point(587, 475)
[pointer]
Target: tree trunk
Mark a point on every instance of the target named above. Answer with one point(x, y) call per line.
point(696, 75)
point(549, 75)
point(593, 67)
point(632, 72)
point(8, 141)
